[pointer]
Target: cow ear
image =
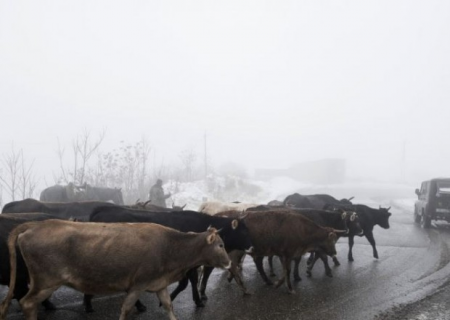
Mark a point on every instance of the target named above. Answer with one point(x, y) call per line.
point(210, 238)
point(234, 224)
point(332, 236)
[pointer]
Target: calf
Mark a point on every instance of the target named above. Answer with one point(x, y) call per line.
point(368, 218)
point(99, 258)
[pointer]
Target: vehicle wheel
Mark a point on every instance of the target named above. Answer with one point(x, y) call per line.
point(426, 221)
point(417, 217)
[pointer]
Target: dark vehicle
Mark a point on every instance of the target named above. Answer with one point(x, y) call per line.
point(433, 202)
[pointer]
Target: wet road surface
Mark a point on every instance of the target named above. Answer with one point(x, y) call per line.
point(413, 263)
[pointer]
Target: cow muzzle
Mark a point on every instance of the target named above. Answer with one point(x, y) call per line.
point(228, 266)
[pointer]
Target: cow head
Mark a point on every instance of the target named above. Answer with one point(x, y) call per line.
point(235, 235)
point(328, 245)
point(382, 218)
point(214, 251)
point(353, 224)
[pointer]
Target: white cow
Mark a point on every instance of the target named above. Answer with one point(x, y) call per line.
point(213, 207)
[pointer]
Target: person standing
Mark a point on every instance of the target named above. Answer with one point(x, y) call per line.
point(157, 196)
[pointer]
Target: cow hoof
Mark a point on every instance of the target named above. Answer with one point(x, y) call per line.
point(247, 293)
point(272, 275)
point(200, 304)
point(350, 259)
point(141, 308)
point(329, 274)
point(309, 273)
point(89, 310)
point(204, 297)
point(291, 291)
point(375, 256)
point(336, 262)
point(269, 283)
point(48, 305)
point(297, 279)
point(278, 283)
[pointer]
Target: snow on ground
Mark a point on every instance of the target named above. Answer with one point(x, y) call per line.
point(229, 189)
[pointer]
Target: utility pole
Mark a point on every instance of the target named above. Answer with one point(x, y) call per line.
point(403, 162)
point(206, 161)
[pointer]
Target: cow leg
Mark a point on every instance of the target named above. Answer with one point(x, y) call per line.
point(371, 239)
point(21, 291)
point(259, 266)
point(324, 258)
point(336, 261)
point(286, 262)
point(206, 273)
point(310, 259)
point(32, 298)
point(311, 265)
point(182, 284)
point(351, 242)
point(192, 275)
point(87, 301)
point(237, 276)
point(166, 301)
point(128, 303)
point(296, 267)
point(237, 258)
point(272, 273)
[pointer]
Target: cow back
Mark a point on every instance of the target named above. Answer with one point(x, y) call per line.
point(235, 235)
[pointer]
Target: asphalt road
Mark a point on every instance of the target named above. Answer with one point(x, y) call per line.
point(413, 266)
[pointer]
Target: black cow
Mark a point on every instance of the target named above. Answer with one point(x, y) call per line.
point(316, 201)
point(233, 232)
point(368, 218)
point(7, 223)
point(298, 201)
point(77, 210)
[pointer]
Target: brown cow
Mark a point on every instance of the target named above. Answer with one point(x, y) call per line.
point(104, 258)
point(284, 234)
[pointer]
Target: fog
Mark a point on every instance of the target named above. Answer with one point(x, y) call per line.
point(269, 83)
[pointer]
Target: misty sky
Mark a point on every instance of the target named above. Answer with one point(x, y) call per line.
point(270, 82)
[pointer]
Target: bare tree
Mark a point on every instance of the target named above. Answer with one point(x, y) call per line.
point(10, 179)
point(27, 179)
point(83, 148)
point(18, 178)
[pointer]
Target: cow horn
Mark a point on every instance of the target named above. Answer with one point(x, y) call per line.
point(243, 215)
point(350, 199)
point(344, 215)
point(137, 201)
point(147, 202)
point(388, 209)
point(340, 231)
point(353, 216)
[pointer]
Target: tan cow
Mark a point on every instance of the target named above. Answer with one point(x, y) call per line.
point(105, 258)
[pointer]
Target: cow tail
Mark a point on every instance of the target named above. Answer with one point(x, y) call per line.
point(12, 240)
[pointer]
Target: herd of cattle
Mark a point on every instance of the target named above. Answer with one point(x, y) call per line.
point(98, 247)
